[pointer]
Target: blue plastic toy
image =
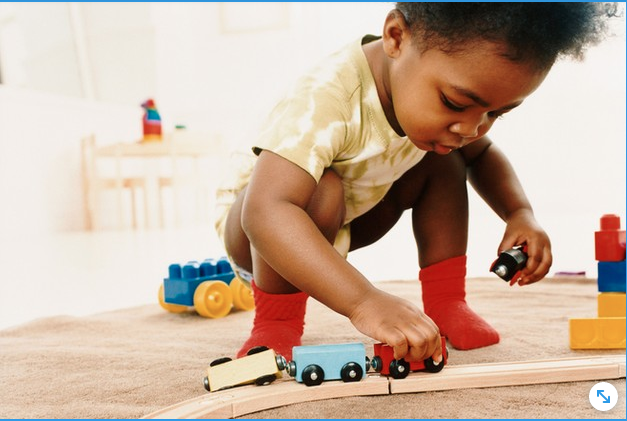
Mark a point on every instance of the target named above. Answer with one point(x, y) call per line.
point(211, 287)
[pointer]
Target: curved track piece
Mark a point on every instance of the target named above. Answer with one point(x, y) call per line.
point(244, 400)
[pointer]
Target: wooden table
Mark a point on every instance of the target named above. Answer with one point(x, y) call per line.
point(139, 167)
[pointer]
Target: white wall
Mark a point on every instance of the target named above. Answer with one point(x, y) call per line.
point(40, 170)
point(567, 141)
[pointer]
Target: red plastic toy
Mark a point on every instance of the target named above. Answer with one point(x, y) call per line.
point(609, 241)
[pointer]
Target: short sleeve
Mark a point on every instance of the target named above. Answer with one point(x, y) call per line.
point(308, 127)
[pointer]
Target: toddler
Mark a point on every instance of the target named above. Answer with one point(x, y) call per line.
point(388, 124)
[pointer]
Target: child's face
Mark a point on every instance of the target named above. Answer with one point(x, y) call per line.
point(443, 101)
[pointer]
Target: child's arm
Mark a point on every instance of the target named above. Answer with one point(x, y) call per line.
point(492, 176)
point(278, 227)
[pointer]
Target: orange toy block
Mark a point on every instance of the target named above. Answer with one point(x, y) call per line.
point(611, 304)
point(601, 333)
point(609, 241)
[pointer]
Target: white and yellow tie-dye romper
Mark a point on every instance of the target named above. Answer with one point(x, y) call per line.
point(332, 117)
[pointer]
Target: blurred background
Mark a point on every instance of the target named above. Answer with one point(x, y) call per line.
point(75, 73)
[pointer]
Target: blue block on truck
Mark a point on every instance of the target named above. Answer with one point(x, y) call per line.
point(183, 279)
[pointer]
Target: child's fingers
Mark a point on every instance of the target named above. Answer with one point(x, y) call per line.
point(436, 355)
point(431, 347)
point(507, 243)
point(424, 342)
point(537, 267)
point(398, 342)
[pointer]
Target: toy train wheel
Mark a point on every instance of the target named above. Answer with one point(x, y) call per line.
point(263, 380)
point(242, 295)
point(432, 367)
point(205, 382)
point(172, 308)
point(219, 361)
point(376, 364)
point(213, 299)
point(351, 372)
point(399, 369)
point(313, 375)
point(257, 349)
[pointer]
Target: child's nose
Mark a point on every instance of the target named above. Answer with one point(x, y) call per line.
point(464, 129)
point(468, 128)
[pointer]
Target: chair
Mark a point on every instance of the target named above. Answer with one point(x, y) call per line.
point(94, 184)
point(188, 198)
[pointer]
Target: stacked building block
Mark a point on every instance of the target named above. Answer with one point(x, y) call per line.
point(607, 331)
point(151, 122)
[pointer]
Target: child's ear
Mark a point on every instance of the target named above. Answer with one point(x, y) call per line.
point(395, 33)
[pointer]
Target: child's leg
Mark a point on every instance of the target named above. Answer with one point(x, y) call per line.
point(279, 306)
point(435, 190)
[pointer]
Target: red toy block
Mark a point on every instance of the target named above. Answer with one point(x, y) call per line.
point(609, 241)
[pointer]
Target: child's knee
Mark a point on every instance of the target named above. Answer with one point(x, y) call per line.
point(235, 240)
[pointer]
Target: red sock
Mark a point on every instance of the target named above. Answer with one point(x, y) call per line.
point(443, 293)
point(279, 322)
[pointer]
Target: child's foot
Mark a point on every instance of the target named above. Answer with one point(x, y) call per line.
point(280, 337)
point(463, 328)
point(443, 296)
point(279, 322)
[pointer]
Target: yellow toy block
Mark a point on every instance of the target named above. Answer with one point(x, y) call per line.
point(601, 333)
point(611, 304)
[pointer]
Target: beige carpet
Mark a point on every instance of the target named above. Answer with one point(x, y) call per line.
point(128, 363)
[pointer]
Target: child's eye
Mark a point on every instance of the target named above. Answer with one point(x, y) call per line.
point(495, 114)
point(454, 107)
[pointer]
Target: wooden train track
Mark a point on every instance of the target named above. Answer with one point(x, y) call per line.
point(248, 399)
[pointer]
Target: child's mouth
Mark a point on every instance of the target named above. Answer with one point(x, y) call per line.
point(441, 149)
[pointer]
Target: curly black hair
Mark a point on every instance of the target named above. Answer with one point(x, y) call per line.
point(539, 33)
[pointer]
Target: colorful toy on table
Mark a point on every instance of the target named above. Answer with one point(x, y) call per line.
point(607, 331)
point(260, 366)
point(151, 122)
point(383, 362)
point(210, 287)
point(314, 364)
point(509, 263)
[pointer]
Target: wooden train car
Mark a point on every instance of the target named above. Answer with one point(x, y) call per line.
point(314, 364)
point(383, 362)
point(260, 366)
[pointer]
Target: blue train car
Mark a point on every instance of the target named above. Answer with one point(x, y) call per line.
point(314, 364)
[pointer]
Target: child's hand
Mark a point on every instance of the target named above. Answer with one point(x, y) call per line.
point(522, 228)
point(400, 324)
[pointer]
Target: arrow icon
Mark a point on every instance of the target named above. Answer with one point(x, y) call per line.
point(603, 396)
point(600, 393)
